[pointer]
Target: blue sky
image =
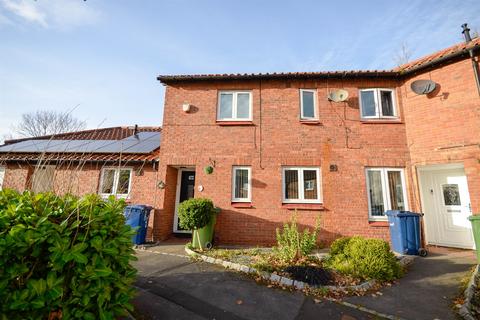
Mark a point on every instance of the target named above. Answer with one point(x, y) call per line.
point(104, 55)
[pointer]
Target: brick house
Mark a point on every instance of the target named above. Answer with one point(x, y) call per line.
point(276, 144)
point(120, 161)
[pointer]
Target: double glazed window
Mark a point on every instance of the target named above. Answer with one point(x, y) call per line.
point(116, 181)
point(308, 105)
point(2, 176)
point(301, 185)
point(377, 103)
point(234, 106)
point(386, 191)
point(241, 184)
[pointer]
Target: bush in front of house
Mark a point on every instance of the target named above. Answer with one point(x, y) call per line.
point(293, 244)
point(363, 258)
point(195, 213)
point(64, 257)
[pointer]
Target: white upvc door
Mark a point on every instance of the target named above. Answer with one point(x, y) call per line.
point(446, 204)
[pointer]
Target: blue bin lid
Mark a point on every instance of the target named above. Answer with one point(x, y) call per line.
point(401, 213)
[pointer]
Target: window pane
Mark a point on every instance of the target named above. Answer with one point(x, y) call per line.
point(310, 184)
point(107, 183)
point(396, 190)
point(368, 103)
point(291, 184)
point(241, 184)
point(226, 100)
point(243, 105)
point(451, 195)
point(376, 193)
point(2, 175)
point(123, 182)
point(308, 107)
point(387, 103)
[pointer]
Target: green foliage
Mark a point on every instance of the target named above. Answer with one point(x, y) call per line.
point(195, 213)
point(293, 244)
point(363, 258)
point(64, 255)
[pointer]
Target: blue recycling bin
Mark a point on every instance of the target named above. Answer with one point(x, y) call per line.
point(136, 216)
point(405, 231)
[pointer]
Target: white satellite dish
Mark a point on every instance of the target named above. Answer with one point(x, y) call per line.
point(423, 86)
point(338, 95)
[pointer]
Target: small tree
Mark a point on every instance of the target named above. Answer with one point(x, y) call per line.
point(195, 213)
point(45, 122)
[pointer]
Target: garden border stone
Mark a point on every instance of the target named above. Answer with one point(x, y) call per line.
point(299, 285)
point(465, 310)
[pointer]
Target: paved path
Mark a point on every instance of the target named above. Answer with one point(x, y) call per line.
point(171, 286)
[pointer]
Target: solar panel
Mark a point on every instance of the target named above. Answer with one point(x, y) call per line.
point(143, 142)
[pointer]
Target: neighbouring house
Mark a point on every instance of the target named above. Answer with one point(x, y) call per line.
point(119, 161)
point(276, 144)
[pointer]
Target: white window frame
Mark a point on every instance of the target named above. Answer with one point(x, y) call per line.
point(301, 193)
point(378, 107)
point(385, 191)
point(2, 176)
point(234, 94)
point(315, 108)
point(234, 176)
point(115, 182)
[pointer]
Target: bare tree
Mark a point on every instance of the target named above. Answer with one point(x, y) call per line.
point(45, 122)
point(403, 55)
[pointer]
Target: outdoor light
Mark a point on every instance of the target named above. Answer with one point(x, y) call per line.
point(161, 185)
point(186, 107)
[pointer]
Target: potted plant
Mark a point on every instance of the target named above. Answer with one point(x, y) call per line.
point(198, 215)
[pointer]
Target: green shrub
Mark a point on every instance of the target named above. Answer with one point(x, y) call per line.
point(293, 244)
point(195, 213)
point(63, 256)
point(363, 258)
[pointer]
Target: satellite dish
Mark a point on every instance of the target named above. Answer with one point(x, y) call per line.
point(338, 95)
point(423, 86)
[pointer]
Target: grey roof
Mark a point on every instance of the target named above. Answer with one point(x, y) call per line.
point(142, 142)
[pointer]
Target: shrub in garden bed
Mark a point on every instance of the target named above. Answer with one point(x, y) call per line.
point(63, 257)
point(363, 258)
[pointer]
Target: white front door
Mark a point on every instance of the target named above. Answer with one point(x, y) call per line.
point(446, 204)
point(185, 191)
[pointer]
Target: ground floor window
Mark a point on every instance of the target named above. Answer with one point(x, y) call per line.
point(115, 181)
point(301, 185)
point(241, 184)
point(2, 176)
point(386, 191)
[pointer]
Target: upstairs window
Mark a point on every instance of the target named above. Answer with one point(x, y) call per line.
point(378, 103)
point(308, 105)
point(234, 106)
point(301, 185)
point(241, 184)
point(386, 191)
point(115, 181)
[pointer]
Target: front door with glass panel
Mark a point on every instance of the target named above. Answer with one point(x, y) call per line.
point(446, 204)
point(185, 191)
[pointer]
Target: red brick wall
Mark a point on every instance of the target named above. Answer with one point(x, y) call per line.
point(444, 126)
point(277, 140)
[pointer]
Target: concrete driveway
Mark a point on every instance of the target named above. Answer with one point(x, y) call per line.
point(171, 286)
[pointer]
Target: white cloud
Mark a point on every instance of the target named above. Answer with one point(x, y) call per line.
point(59, 14)
point(27, 10)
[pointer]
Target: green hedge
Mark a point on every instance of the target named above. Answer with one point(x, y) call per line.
point(363, 258)
point(195, 213)
point(64, 256)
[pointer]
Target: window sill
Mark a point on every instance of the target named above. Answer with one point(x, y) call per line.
point(310, 122)
point(242, 205)
point(303, 206)
point(378, 223)
point(234, 123)
point(381, 121)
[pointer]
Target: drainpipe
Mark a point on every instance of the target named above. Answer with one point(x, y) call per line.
point(468, 38)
